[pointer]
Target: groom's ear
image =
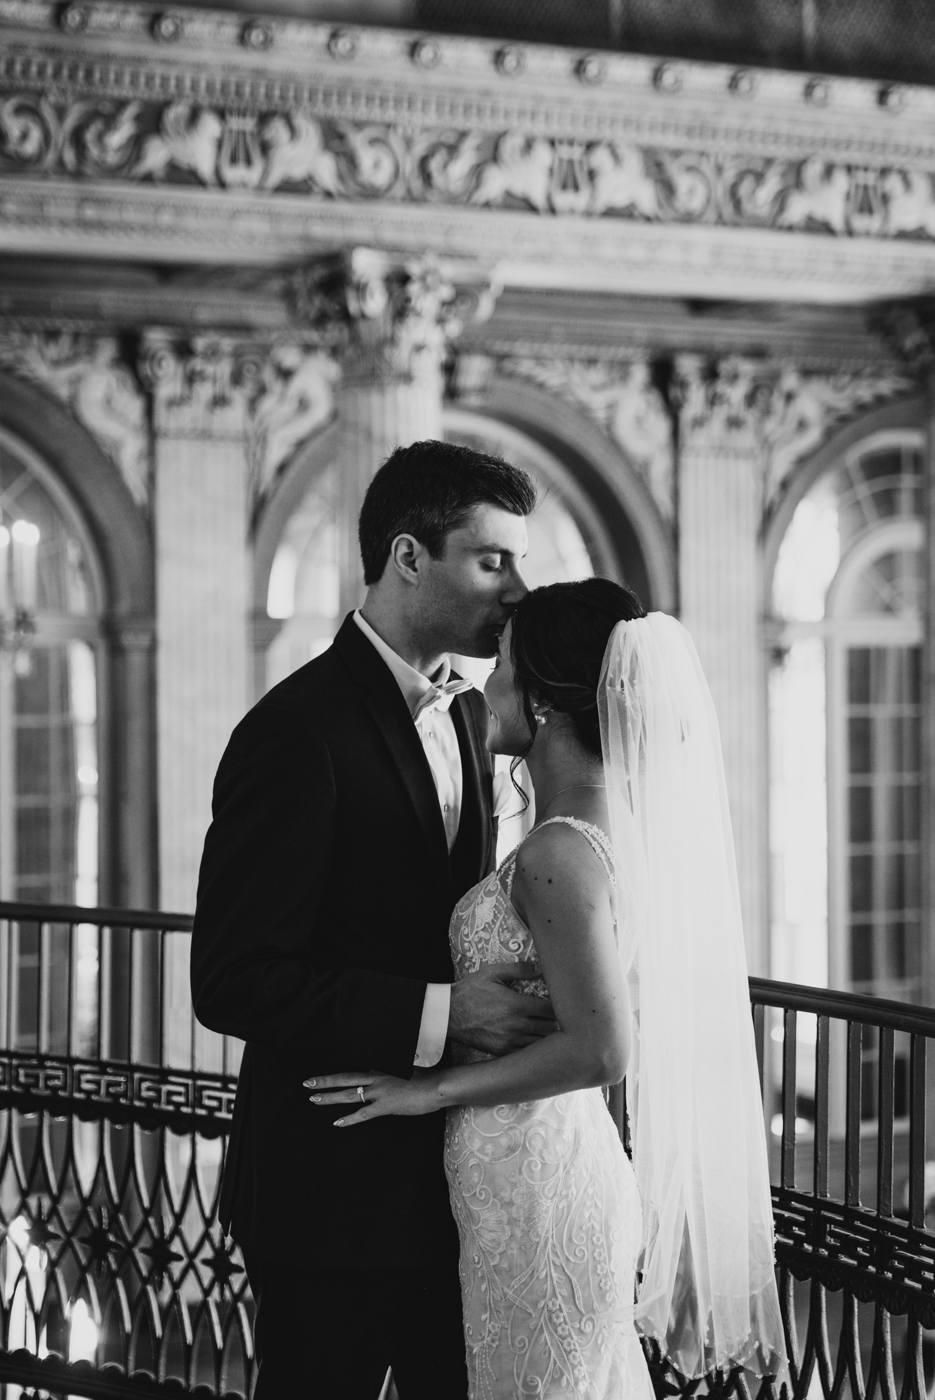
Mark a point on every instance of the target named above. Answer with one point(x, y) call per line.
point(406, 555)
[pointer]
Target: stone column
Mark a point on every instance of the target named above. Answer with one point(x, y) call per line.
point(720, 504)
point(200, 518)
point(130, 870)
point(391, 317)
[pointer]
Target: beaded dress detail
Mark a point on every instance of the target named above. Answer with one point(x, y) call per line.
point(546, 1204)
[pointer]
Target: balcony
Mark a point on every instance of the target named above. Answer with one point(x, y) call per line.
point(115, 1280)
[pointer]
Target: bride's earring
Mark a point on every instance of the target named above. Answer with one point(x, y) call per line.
point(541, 717)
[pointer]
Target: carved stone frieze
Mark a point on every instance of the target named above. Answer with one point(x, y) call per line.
point(773, 413)
point(776, 412)
point(89, 375)
point(105, 48)
point(293, 153)
point(293, 398)
point(803, 409)
point(623, 399)
point(270, 398)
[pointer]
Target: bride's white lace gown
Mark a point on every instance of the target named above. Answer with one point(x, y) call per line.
point(547, 1209)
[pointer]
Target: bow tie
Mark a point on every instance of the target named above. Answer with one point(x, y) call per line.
point(441, 696)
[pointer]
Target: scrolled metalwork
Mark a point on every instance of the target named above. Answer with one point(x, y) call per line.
point(115, 1279)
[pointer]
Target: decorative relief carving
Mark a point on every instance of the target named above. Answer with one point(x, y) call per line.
point(802, 409)
point(390, 317)
point(294, 399)
point(88, 374)
point(780, 411)
point(271, 398)
point(775, 412)
point(623, 399)
point(293, 152)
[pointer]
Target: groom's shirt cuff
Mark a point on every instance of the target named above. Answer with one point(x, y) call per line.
point(434, 1026)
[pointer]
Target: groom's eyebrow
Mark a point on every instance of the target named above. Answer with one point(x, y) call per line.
point(499, 549)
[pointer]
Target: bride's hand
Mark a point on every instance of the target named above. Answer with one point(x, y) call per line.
point(383, 1094)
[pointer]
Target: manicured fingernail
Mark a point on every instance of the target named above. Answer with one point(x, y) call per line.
point(339, 1122)
point(315, 1098)
point(309, 1083)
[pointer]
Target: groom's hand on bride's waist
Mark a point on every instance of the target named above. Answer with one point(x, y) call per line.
point(489, 1013)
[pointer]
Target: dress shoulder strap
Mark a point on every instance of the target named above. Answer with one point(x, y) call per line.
point(597, 839)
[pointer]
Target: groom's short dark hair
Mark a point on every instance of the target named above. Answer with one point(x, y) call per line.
point(428, 489)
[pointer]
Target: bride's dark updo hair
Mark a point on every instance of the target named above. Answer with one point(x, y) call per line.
point(559, 637)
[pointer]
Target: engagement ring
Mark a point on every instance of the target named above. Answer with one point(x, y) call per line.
point(360, 1090)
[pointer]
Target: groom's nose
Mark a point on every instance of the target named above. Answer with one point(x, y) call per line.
point(514, 587)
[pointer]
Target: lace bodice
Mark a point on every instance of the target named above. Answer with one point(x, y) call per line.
point(546, 1205)
point(485, 927)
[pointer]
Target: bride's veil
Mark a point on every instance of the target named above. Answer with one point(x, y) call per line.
point(708, 1292)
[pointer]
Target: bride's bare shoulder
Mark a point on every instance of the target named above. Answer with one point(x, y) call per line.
point(556, 859)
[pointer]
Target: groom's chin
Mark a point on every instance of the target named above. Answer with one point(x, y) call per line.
point(482, 647)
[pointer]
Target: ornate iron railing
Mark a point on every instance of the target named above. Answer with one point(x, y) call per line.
point(115, 1279)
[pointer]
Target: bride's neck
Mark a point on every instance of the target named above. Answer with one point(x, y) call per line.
point(568, 780)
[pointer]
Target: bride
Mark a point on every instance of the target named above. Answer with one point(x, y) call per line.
point(625, 893)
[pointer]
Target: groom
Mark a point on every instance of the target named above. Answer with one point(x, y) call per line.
point(352, 810)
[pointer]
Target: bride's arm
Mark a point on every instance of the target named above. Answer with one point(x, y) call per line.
point(561, 892)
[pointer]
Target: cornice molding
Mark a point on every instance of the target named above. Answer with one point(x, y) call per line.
point(222, 57)
point(174, 224)
point(142, 132)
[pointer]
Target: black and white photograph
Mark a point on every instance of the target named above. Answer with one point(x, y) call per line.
point(467, 700)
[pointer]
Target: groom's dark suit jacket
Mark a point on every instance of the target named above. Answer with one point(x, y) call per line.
point(324, 899)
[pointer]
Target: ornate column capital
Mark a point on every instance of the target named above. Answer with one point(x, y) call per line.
point(389, 316)
point(717, 399)
point(200, 386)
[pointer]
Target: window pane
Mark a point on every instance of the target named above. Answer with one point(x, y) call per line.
point(858, 675)
point(861, 953)
point(858, 733)
point(861, 868)
point(884, 818)
point(860, 814)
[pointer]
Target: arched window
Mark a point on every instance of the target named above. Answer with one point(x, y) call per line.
point(846, 717)
point(49, 683)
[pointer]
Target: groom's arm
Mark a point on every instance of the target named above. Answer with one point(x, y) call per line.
point(265, 868)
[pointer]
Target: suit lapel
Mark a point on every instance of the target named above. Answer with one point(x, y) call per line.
point(390, 713)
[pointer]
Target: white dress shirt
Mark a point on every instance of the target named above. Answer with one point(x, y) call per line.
point(429, 706)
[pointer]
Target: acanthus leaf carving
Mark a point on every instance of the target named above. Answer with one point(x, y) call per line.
point(199, 386)
point(88, 374)
point(390, 317)
point(623, 399)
